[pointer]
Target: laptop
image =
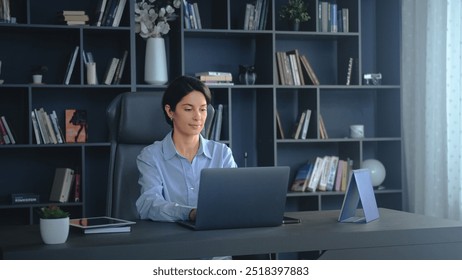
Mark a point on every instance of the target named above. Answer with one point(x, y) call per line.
point(241, 198)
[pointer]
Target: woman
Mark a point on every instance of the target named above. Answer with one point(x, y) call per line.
point(170, 169)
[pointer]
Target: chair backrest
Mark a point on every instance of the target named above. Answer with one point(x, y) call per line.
point(135, 120)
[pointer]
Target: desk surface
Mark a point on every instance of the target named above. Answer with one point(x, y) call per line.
point(153, 240)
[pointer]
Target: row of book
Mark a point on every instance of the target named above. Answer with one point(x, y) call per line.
point(291, 68)
point(327, 173)
point(331, 18)
point(113, 73)
point(301, 127)
point(256, 15)
point(5, 11)
point(114, 70)
point(109, 12)
point(192, 18)
point(6, 133)
point(65, 180)
point(48, 131)
point(213, 132)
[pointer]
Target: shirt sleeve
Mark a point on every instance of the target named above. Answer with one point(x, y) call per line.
point(151, 204)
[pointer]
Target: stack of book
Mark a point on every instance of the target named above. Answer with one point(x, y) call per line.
point(73, 17)
point(215, 78)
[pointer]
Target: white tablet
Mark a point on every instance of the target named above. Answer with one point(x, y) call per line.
point(99, 222)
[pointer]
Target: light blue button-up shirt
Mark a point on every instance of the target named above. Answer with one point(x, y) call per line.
point(170, 183)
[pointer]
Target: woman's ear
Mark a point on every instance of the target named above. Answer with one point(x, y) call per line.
point(168, 110)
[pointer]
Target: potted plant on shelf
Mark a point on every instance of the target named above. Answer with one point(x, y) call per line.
point(37, 73)
point(295, 11)
point(54, 224)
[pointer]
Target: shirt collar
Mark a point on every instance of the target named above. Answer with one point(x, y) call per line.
point(170, 150)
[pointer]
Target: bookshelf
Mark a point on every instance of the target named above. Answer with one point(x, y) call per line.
point(249, 111)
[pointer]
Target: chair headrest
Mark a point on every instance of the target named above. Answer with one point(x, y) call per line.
point(137, 118)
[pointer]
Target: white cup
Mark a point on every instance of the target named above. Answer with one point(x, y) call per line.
point(91, 73)
point(357, 131)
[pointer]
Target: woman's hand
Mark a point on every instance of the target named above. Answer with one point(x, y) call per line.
point(192, 214)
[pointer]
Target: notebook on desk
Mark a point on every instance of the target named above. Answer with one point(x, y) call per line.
point(241, 198)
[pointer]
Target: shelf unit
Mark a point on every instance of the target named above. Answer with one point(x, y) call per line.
point(249, 126)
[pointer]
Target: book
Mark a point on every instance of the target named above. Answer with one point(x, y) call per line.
point(56, 128)
point(62, 183)
point(70, 66)
point(83, 18)
point(75, 22)
point(4, 134)
point(309, 70)
point(322, 186)
point(76, 126)
point(120, 69)
point(38, 138)
point(109, 13)
point(72, 12)
point(107, 230)
point(49, 127)
point(322, 128)
point(316, 175)
point(279, 124)
point(8, 130)
point(213, 73)
point(197, 16)
point(332, 173)
point(215, 78)
point(110, 71)
point(306, 123)
point(99, 12)
point(101, 224)
point(298, 65)
point(77, 185)
point(300, 124)
point(302, 178)
point(119, 13)
point(42, 126)
point(338, 180)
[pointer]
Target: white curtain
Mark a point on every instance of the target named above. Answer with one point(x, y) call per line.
point(432, 106)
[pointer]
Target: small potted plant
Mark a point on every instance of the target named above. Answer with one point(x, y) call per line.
point(295, 11)
point(37, 73)
point(54, 224)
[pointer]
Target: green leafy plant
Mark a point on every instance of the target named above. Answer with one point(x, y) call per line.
point(52, 212)
point(295, 10)
point(39, 70)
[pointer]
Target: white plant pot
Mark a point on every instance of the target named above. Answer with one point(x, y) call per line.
point(37, 79)
point(54, 231)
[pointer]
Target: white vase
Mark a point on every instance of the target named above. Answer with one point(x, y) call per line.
point(155, 64)
point(54, 231)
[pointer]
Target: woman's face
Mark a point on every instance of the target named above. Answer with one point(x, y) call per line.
point(190, 114)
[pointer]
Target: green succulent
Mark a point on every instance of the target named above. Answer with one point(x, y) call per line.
point(52, 212)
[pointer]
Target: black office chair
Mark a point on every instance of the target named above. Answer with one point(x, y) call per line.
point(135, 120)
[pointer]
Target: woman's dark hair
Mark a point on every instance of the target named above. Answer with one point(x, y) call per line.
point(179, 88)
